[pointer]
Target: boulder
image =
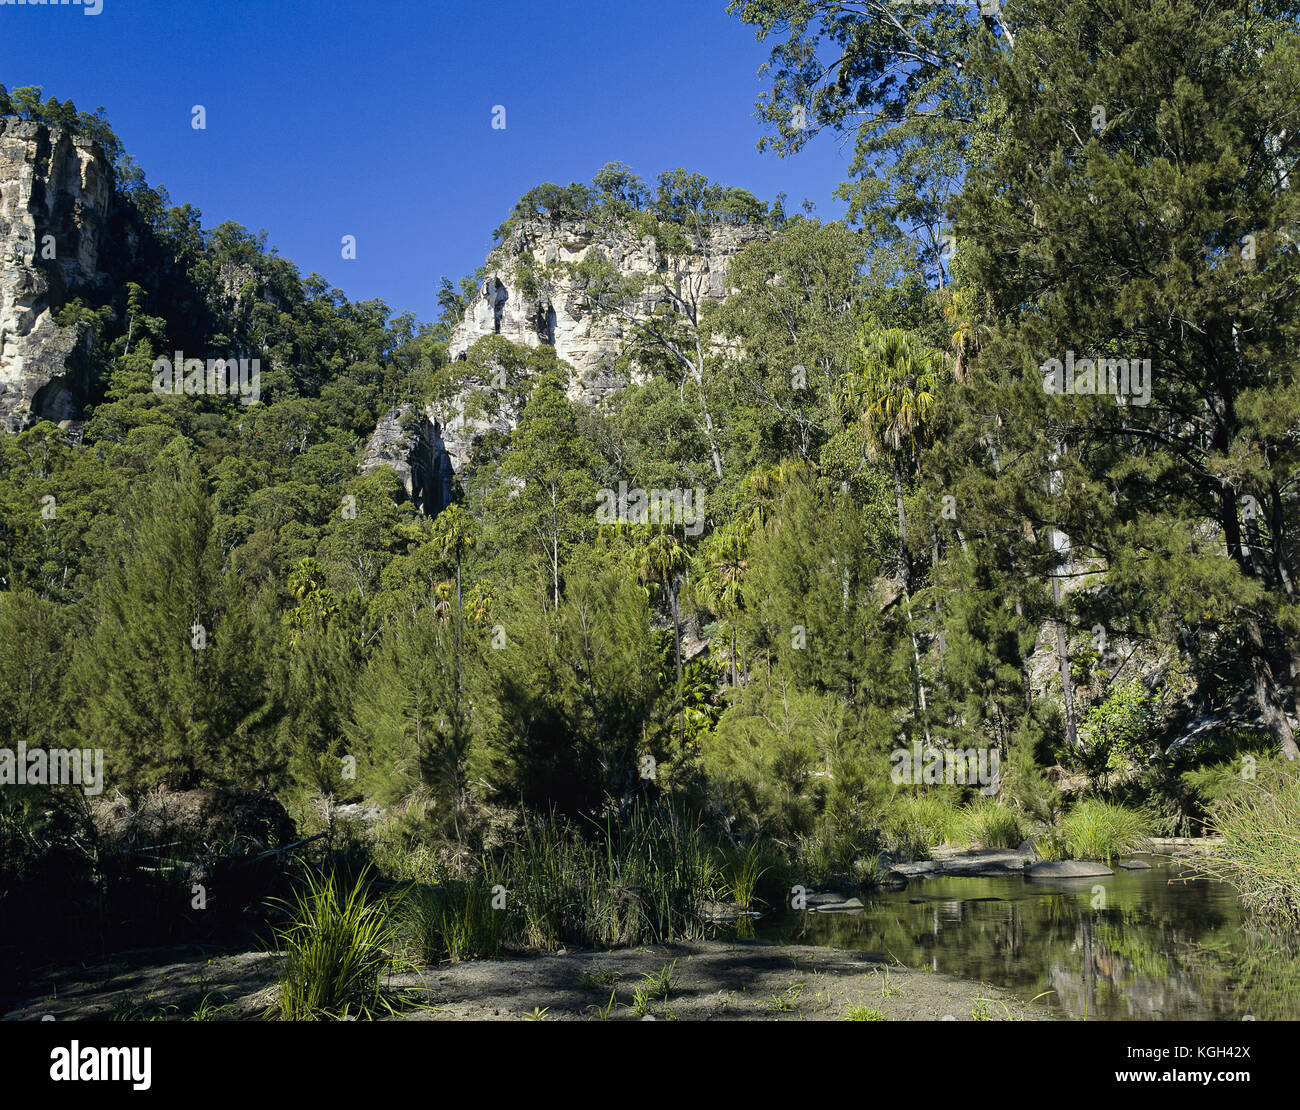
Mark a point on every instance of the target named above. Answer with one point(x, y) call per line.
point(1068, 869)
point(848, 905)
point(894, 880)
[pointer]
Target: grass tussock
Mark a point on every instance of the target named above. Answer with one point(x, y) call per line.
point(743, 871)
point(1260, 825)
point(644, 881)
point(915, 823)
point(989, 824)
point(1095, 830)
point(337, 945)
point(459, 919)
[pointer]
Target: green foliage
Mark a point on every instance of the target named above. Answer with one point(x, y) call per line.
point(1261, 854)
point(411, 722)
point(454, 920)
point(1117, 732)
point(642, 881)
point(337, 945)
point(743, 871)
point(25, 103)
point(888, 490)
point(917, 822)
point(177, 688)
point(989, 824)
point(549, 201)
point(1097, 830)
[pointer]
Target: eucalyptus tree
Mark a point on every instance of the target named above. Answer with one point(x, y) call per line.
point(664, 308)
point(546, 497)
point(895, 79)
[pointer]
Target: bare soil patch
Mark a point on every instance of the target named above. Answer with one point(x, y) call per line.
point(709, 980)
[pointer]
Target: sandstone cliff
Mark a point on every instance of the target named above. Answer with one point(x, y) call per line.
point(529, 297)
point(56, 192)
point(411, 443)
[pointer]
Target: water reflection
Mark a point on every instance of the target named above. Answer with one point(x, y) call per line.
point(1138, 945)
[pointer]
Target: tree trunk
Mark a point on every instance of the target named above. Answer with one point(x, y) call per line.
point(1060, 549)
point(1266, 693)
point(907, 599)
point(1024, 663)
point(904, 566)
point(1268, 698)
point(677, 655)
point(1063, 658)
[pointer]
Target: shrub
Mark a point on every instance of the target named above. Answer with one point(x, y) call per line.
point(1116, 731)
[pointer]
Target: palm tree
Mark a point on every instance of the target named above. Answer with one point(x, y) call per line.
point(891, 391)
point(442, 606)
point(763, 490)
point(455, 534)
point(664, 560)
point(719, 582)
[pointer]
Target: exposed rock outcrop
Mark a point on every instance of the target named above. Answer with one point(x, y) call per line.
point(405, 441)
point(428, 448)
point(528, 299)
point(56, 192)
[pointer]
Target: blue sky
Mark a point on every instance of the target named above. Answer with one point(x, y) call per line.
point(373, 118)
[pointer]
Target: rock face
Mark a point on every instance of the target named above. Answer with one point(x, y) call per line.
point(56, 191)
point(428, 448)
point(411, 443)
point(526, 299)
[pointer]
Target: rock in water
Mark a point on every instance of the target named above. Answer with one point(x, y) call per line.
point(1068, 869)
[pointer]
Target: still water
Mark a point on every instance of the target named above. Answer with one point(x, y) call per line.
point(1148, 945)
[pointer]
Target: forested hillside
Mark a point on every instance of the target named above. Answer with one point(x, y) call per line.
point(1003, 464)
